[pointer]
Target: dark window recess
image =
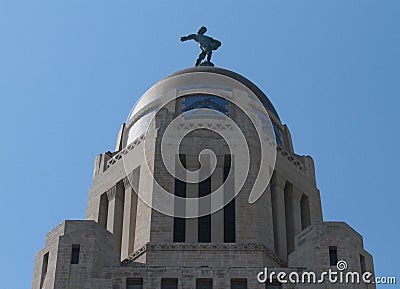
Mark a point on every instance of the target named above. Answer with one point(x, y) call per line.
point(227, 165)
point(238, 283)
point(204, 284)
point(204, 227)
point(103, 210)
point(134, 283)
point(362, 264)
point(305, 212)
point(229, 222)
point(180, 191)
point(75, 254)
point(169, 283)
point(273, 285)
point(333, 257)
point(278, 134)
point(45, 265)
point(179, 229)
point(229, 209)
point(205, 101)
point(275, 217)
point(179, 223)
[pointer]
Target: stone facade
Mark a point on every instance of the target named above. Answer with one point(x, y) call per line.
point(125, 243)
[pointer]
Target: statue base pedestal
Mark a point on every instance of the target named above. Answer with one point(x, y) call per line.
point(206, 63)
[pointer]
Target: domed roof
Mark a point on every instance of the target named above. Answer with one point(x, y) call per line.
point(188, 81)
point(250, 85)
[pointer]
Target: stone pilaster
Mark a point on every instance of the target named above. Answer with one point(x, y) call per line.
point(115, 213)
point(278, 205)
point(296, 197)
point(129, 219)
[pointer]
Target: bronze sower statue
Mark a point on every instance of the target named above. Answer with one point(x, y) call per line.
point(207, 45)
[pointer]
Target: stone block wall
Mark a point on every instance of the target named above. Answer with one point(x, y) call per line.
point(312, 251)
point(96, 250)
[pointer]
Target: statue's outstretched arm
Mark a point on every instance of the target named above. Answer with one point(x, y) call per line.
point(189, 37)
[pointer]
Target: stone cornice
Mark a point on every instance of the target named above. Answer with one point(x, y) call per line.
point(203, 247)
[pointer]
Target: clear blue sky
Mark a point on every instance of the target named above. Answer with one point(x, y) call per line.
point(70, 72)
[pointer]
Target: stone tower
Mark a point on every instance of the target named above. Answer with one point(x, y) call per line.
point(150, 224)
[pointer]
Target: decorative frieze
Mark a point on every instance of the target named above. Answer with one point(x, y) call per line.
point(201, 248)
point(125, 151)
